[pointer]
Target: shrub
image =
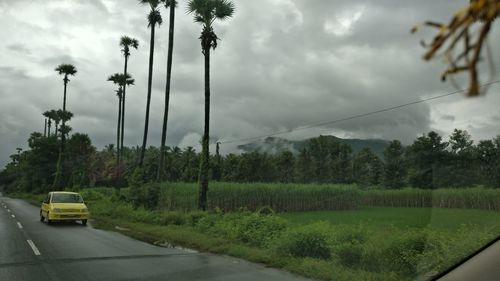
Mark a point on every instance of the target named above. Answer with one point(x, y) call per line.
point(151, 193)
point(404, 254)
point(172, 218)
point(266, 210)
point(309, 241)
point(258, 230)
point(350, 254)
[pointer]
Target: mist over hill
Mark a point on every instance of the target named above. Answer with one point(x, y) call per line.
point(273, 145)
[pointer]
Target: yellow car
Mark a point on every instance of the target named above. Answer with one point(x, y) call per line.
point(64, 206)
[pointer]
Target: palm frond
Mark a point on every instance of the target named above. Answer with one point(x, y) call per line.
point(154, 18)
point(152, 3)
point(114, 78)
point(169, 3)
point(223, 9)
point(66, 69)
point(206, 11)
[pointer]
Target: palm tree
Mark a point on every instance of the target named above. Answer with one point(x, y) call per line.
point(122, 81)
point(64, 116)
point(126, 43)
point(154, 18)
point(172, 4)
point(45, 128)
point(66, 70)
point(206, 12)
point(57, 119)
point(48, 116)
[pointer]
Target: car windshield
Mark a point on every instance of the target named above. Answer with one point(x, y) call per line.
point(66, 198)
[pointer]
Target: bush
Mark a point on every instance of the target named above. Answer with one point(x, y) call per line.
point(151, 194)
point(172, 218)
point(405, 253)
point(266, 210)
point(309, 241)
point(258, 230)
point(350, 254)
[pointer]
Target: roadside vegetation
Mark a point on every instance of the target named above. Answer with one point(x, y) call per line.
point(360, 242)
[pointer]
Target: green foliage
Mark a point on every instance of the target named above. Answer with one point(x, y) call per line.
point(405, 253)
point(367, 168)
point(395, 167)
point(308, 241)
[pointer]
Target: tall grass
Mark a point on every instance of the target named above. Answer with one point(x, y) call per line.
point(471, 198)
point(280, 197)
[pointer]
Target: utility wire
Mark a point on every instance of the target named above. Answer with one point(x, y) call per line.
point(354, 116)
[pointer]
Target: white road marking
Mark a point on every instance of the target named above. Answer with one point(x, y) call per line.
point(8, 210)
point(19, 225)
point(33, 247)
point(13, 216)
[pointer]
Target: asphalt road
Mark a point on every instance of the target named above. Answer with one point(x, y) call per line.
point(32, 250)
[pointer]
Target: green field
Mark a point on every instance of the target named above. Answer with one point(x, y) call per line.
point(380, 217)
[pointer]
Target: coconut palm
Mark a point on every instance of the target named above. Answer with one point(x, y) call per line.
point(122, 81)
point(154, 18)
point(126, 43)
point(172, 4)
point(206, 12)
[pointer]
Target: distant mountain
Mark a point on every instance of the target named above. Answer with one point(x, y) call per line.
point(274, 145)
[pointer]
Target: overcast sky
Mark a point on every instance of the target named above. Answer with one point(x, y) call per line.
point(281, 64)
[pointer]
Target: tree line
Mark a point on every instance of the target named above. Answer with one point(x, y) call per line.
point(428, 163)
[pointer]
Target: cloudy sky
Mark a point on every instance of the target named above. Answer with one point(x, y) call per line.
point(281, 64)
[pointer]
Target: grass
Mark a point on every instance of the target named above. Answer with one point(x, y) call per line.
point(446, 219)
point(280, 197)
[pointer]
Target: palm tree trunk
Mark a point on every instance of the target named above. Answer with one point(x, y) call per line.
point(63, 136)
point(49, 127)
point(45, 128)
point(167, 91)
point(123, 108)
point(118, 131)
point(148, 102)
point(205, 155)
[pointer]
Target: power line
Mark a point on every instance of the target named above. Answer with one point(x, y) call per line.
point(354, 116)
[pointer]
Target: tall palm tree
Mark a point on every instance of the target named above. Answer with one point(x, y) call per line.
point(126, 43)
point(66, 70)
point(154, 18)
point(206, 12)
point(172, 4)
point(122, 81)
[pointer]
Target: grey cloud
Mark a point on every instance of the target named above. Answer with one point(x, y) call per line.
point(448, 118)
point(274, 70)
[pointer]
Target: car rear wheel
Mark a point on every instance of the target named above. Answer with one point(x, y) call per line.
point(84, 222)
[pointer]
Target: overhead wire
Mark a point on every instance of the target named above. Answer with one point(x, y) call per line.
point(322, 124)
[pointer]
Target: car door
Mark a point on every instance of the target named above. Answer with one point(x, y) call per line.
point(45, 205)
